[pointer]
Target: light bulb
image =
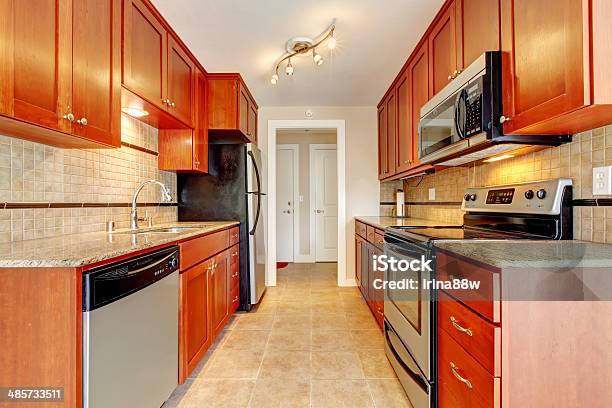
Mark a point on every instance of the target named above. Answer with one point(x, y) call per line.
point(274, 79)
point(318, 59)
point(289, 69)
point(331, 43)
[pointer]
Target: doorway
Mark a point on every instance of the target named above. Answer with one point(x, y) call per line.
point(287, 210)
point(327, 227)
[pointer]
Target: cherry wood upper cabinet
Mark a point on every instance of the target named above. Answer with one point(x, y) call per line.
point(404, 154)
point(180, 82)
point(60, 72)
point(186, 150)
point(477, 29)
point(232, 111)
point(443, 50)
point(391, 132)
point(383, 169)
point(555, 56)
point(144, 53)
point(418, 70)
point(96, 73)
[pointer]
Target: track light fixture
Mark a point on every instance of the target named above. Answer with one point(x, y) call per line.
point(301, 46)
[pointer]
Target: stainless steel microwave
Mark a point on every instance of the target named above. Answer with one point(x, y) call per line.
point(464, 121)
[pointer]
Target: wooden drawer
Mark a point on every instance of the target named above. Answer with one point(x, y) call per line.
point(234, 274)
point(198, 249)
point(379, 238)
point(462, 381)
point(370, 233)
point(234, 254)
point(234, 235)
point(234, 300)
point(481, 339)
point(485, 300)
point(360, 229)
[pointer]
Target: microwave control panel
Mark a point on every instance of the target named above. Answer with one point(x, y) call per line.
point(473, 109)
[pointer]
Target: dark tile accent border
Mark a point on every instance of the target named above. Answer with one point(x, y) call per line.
point(592, 202)
point(140, 148)
point(28, 206)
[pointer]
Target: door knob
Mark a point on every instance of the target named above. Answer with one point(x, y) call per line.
point(319, 211)
point(82, 121)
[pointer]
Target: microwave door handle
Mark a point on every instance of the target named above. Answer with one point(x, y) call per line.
point(460, 128)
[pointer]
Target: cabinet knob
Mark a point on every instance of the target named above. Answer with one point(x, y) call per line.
point(172, 104)
point(82, 121)
point(166, 101)
point(69, 117)
point(450, 77)
point(504, 119)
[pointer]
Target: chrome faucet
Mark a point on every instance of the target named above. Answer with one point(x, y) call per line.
point(134, 212)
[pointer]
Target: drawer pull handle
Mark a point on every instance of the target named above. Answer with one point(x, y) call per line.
point(458, 376)
point(234, 275)
point(462, 329)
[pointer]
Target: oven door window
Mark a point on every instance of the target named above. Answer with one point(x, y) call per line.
point(437, 129)
point(407, 300)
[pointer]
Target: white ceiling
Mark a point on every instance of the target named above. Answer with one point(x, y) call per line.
point(374, 39)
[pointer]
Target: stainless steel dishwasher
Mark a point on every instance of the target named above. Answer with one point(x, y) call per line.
point(130, 331)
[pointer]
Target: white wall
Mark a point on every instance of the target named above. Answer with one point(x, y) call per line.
point(362, 187)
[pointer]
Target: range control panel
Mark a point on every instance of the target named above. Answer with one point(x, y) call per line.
point(542, 197)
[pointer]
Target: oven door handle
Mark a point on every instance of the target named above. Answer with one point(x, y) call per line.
point(415, 375)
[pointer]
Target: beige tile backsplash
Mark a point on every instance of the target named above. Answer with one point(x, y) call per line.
point(574, 160)
point(31, 172)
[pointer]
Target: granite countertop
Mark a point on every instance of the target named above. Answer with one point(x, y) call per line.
point(385, 222)
point(75, 250)
point(532, 253)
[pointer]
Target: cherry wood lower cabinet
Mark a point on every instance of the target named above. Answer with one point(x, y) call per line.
point(209, 294)
point(368, 243)
point(534, 353)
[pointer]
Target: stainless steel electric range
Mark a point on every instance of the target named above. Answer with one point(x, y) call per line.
point(540, 210)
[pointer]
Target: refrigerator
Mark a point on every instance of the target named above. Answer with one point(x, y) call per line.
point(232, 190)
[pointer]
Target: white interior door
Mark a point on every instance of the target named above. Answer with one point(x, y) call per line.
point(325, 172)
point(286, 174)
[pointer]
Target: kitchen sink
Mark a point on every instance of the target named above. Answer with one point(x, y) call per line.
point(163, 230)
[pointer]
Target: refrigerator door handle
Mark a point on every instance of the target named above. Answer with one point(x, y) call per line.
point(252, 231)
point(250, 153)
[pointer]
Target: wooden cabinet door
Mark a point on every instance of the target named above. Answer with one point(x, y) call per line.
point(243, 110)
point(36, 61)
point(382, 141)
point(200, 134)
point(404, 154)
point(419, 94)
point(96, 92)
point(252, 123)
point(219, 291)
point(181, 75)
point(391, 133)
point(145, 55)
point(543, 49)
point(194, 303)
point(442, 50)
point(477, 24)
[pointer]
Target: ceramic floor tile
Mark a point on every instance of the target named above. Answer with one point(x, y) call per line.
point(331, 340)
point(286, 364)
point(219, 394)
point(178, 394)
point(284, 340)
point(340, 393)
point(236, 364)
point(254, 340)
point(336, 365)
point(288, 393)
point(367, 339)
point(294, 322)
point(375, 364)
point(388, 394)
point(254, 322)
point(329, 321)
point(294, 307)
point(362, 322)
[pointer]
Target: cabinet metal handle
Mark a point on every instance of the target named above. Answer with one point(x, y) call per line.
point(462, 329)
point(234, 275)
point(450, 77)
point(69, 117)
point(380, 312)
point(235, 299)
point(166, 101)
point(172, 104)
point(454, 369)
point(504, 119)
point(82, 121)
